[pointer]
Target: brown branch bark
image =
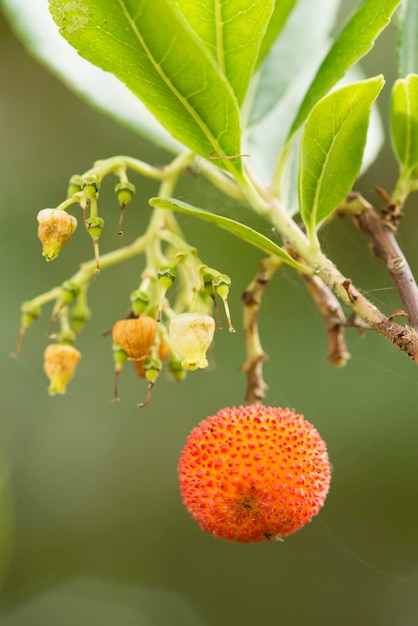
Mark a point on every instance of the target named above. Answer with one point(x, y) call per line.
point(404, 337)
point(252, 296)
point(385, 247)
point(334, 319)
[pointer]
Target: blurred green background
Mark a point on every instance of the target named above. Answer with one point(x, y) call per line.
point(92, 529)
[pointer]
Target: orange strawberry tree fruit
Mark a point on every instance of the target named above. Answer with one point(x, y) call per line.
point(256, 97)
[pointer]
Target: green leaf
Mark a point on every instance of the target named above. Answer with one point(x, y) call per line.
point(279, 87)
point(242, 231)
point(408, 38)
point(404, 120)
point(148, 45)
point(33, 24)
point(263, 143)
point(353, 42)
point(293, 61)
point(232, 32)
point(332, 147)
point(281, 12)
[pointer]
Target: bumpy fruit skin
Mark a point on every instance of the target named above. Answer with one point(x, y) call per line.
point(254, 473)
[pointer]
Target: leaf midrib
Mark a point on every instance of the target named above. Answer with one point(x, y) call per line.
point(327, 157)
point(220, 48)
point(408, 124)
point(209, 136)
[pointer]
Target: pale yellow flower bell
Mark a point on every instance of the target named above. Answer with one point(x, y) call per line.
point(55, 229)
point(190, 336)
point(60, 363)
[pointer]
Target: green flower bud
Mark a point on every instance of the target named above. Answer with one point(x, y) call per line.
point(139, 301)
point(94, 226)
point(69, 292)
point(125, 191)
point(119, 358)
point(29, 313)
point(152, 368)
point(74, 185)
point(166, 276)
point(91, 186)
point(55, 228)
point(208, 288)
point(176, 369)
point(119, 355)
point(80, 315)
point(222, 283)
point(67, 336)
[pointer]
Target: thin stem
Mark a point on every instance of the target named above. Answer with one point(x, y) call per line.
point(402, 189)
point(252, 296)
point(221, 180)
point(334, 319)
point(43, 298)
point(104, 167)
point(87, 269)
point(404, 338)
point(281, 164)
point(386, 248)
point(75, 198)
point(118, 165)
point(65, 326)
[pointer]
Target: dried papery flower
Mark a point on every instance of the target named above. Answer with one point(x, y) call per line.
point(191, 335)
point(55, 228)
point(60, 363)
point(254, 473)
point(136, 336)
point(163, 352)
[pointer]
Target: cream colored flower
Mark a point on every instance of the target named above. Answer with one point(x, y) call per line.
point(190, 336)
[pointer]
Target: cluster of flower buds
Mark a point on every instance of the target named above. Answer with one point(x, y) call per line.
point(56, 226)
point(146, 343)
point(156, 331)
point(177, 330)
